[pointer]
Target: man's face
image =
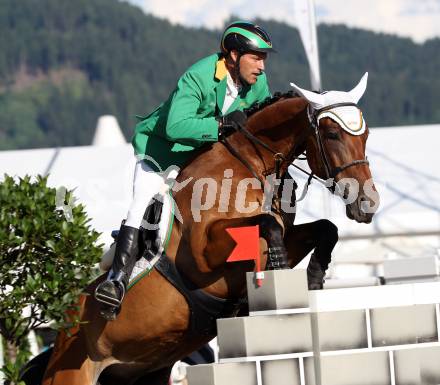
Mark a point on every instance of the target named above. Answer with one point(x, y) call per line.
point(252, 65)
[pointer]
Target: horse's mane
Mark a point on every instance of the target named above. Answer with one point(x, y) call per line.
point(269, 101)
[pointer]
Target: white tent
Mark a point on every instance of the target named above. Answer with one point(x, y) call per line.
point(108, 132)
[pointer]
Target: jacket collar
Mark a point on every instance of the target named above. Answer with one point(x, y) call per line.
point(220, 69)
point(220, 75)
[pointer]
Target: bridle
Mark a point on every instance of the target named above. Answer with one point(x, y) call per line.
point(280, 158)
point(330, 172)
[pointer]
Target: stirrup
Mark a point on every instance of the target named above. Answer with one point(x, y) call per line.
point(106, 287)
point(109, 312)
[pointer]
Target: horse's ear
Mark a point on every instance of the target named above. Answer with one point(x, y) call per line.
point(357, 92)
point(316, 100)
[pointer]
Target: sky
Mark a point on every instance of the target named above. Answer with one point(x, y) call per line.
point(417, 19)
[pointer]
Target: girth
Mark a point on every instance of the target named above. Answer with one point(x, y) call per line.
point(204, 308)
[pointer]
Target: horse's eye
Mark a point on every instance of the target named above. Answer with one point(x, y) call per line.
point(332, 135)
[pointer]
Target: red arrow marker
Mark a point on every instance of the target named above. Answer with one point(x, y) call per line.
point(248, 246)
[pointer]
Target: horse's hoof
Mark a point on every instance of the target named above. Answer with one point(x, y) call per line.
point(316, 286)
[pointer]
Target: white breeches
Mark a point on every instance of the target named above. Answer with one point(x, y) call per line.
point(146, 184)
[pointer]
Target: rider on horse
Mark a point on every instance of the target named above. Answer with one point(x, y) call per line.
point(207, 104)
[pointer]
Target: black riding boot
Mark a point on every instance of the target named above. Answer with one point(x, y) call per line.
point(315, 274)
point(111, 291)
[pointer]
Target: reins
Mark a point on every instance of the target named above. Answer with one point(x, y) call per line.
point(278, 156)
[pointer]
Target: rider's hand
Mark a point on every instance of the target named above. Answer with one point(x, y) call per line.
point(231, 122)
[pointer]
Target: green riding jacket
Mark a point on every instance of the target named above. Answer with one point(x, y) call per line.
point(187, 119)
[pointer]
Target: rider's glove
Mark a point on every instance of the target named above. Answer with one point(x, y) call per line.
point(231, 122)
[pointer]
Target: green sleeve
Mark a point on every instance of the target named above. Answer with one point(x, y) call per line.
point(183, 124)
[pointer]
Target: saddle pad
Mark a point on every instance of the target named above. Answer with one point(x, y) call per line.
point(144, 266)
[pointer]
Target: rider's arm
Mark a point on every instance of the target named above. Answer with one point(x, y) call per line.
point(183, 124)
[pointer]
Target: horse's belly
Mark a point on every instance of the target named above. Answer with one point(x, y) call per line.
point(153, 320)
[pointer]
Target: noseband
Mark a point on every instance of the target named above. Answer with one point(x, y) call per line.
point(330, 172)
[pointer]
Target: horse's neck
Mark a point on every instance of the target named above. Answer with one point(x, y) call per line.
point(284, 126)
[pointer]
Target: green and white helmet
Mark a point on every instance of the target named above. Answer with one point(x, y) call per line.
point(245, 37)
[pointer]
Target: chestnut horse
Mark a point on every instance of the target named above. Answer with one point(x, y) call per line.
point(153, 329)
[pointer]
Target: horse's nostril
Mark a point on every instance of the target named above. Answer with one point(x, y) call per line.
point(364, 204)
point(346, 192)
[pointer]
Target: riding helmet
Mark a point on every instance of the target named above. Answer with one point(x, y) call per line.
point(245, 37)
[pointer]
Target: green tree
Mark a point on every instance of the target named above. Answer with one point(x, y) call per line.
point(48, 254)
point(64, 63)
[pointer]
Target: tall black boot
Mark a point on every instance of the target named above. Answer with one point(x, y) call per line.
point(315, 274)
point(111, 291)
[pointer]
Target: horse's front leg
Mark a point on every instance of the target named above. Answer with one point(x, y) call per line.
point(320, 236)
point(270, 230)
point(70, 364)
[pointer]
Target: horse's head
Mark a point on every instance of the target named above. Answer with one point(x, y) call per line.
point(336, 149)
